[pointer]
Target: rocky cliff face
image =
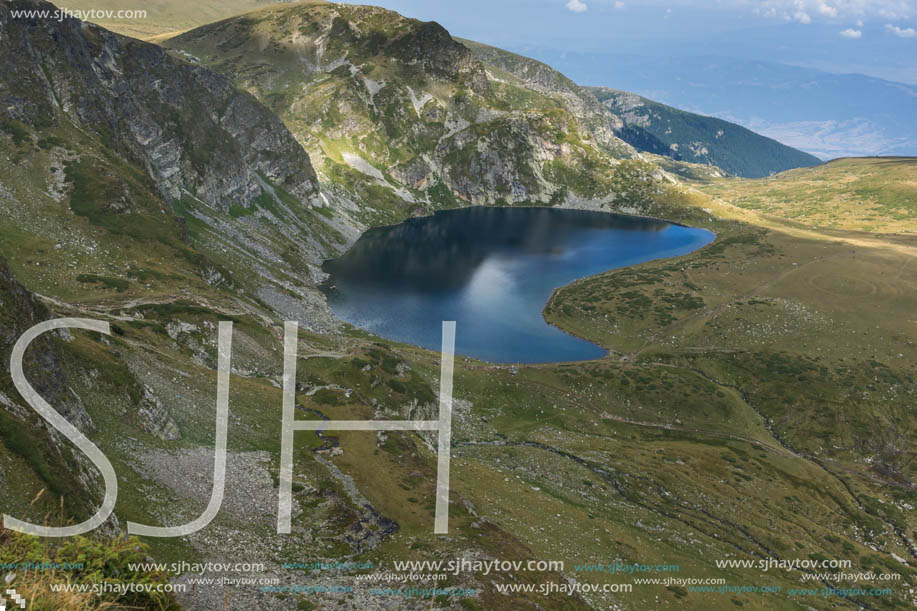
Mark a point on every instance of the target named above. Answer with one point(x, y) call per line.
point(168, 160)
point(614, 116)
point(188, 127)
point(398, 114)
point(429, 48)
point(19, 312)
point(593, 117)
point(30, 449)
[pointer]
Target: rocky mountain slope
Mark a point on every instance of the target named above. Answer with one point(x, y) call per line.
point(525, 73)
point(182, 173)
point(742, 153)
point(167, 117)
point(396, 112)
point(648, 126)
point(468, 123)
point(29, 452)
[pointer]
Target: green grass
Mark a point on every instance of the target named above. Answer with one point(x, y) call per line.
point(51, 468)
point(118, 284)
point(707, 466)
point(103, 560)
point(871, 194)
point(17, 130)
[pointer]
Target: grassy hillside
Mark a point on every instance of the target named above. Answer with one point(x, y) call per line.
point(663, 130)
point(870, 194)
point(792, 436)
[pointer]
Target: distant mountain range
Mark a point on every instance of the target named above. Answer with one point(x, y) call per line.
point(684, 136)
point(655, 128)
point(828, 115)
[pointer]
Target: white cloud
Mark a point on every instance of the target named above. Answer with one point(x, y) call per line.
point(826, 9)
point(577, 6)
point(901, 32)
point(619, 5)
point(851, 33)
point(838, 12)
point(806, 11)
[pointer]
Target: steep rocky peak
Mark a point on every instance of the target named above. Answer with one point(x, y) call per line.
point(430, 44)
point(323, 36)
point(388, 104)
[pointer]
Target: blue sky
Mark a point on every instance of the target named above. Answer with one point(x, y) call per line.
point(874, 37)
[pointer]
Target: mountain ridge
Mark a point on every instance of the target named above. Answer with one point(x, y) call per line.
point(684, 136)
point(152, 150)
point(655, 128)
point(824, 113)
point(408, 130)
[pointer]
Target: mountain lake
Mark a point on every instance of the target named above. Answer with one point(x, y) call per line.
point(492, 270)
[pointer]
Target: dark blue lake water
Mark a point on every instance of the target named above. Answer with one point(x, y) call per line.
point(492, 271)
